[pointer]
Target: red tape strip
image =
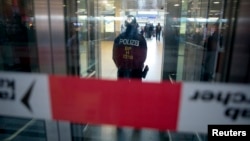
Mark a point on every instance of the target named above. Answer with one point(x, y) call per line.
point(119, 103)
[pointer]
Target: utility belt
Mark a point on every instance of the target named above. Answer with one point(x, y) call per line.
point(133, 73)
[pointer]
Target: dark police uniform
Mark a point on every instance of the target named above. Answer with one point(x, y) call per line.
point(129, 54)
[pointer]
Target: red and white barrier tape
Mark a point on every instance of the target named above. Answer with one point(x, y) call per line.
point(187, 107)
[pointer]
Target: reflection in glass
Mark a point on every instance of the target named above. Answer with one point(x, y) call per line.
point(17, 36)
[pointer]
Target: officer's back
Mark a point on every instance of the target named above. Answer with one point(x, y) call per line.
point(130, 51)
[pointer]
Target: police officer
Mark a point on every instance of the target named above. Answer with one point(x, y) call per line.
point(130, 51)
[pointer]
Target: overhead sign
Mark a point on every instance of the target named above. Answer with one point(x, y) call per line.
point(186, 107)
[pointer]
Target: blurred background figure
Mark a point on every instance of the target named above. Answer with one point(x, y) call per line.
point(92, 48)
point(210, 53)
point(197, 37)
point(147, 32)
point(151, 30)
point(142, 31)
point(158, 29)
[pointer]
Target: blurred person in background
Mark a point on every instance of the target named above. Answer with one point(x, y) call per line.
point(210, 53)
point(158, 29)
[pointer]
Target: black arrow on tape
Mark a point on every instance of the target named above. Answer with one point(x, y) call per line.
point(26, 97)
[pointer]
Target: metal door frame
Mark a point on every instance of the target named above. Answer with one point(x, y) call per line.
point(50, 33)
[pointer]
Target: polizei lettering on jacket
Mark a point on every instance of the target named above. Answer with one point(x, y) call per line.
point(7, 89)
point(225, 99)
point(129, 42)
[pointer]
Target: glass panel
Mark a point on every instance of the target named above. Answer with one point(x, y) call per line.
point(74, 31)
point(201, 26)
point(182, 54)
point(194, 31)
point(95, 53)
point(81, 37)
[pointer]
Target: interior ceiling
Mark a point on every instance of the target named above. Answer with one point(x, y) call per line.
point(135, 4)
point(144, 4)
point(156, 4)
point(159, 4)
point(202, 5)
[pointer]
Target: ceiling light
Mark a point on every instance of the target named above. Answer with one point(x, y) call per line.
point(216, 2)
point(176, 5)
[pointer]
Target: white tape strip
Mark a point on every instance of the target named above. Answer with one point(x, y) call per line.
point(205, 103)
point(24, 95)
